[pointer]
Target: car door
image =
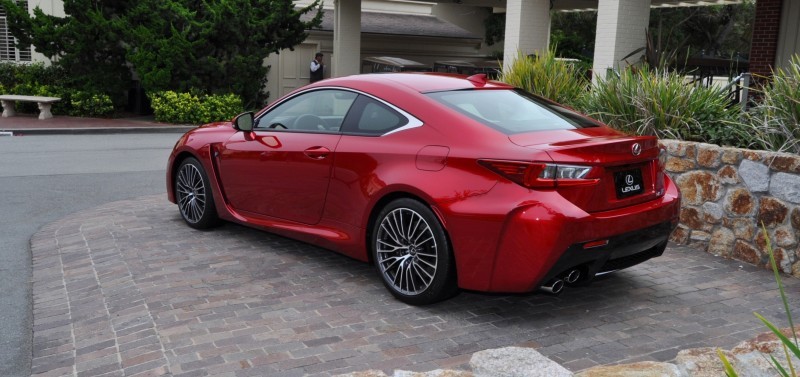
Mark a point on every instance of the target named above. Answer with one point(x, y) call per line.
point(282, 169)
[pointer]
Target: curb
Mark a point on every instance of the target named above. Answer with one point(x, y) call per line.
point(96, 130)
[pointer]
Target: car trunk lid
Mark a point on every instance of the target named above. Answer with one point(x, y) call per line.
point(626, 168)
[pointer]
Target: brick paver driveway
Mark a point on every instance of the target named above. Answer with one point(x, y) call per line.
point(127, 288)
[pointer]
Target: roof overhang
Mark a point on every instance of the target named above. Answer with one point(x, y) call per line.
point(400, 24)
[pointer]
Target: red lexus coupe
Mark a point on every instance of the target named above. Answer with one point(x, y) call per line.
point(441, 181)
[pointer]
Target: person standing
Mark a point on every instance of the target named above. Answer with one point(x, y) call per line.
point(317, 68)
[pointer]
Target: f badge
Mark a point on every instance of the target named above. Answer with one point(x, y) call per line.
point(636, 149)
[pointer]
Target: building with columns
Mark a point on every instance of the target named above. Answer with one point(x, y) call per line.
point(621, 26)
point(427, 31)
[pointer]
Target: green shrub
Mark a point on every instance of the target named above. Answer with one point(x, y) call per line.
point(192, 108)
point(88, 104)
point(13, 74)
point(39, 80)
point(651, 102)
point(559, 80)
point(776, 121)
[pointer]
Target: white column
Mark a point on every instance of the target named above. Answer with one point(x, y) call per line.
point(788, 35)
point(346, 38)
point(621, 27)
point(527, 28)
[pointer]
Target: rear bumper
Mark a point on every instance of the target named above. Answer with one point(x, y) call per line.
point(621, 252)
point(537, 239)
point(549, 238)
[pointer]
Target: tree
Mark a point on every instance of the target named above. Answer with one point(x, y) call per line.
point(216, 47)
point(212, 47)
point(494, 28)
point(86, 44)
point(572, 34)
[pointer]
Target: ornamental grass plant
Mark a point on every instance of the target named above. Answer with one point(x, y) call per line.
point(546, 75)
point(776, 120)
point(648, 101)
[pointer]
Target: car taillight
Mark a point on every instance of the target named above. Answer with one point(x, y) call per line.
point(541, 175)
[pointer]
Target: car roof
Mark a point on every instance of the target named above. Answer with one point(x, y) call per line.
point(423, 82)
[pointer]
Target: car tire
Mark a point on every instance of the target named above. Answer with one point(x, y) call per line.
point(194, 196)
point(412, 253)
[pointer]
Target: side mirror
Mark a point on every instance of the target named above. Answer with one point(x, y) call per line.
point(244, 121)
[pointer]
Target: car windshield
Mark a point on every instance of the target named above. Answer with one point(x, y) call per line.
point(511, 111)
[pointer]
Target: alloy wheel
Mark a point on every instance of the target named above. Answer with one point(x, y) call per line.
point(406, 251)
point(191, 192)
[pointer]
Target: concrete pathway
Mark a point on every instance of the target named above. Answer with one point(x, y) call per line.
point(128, 289)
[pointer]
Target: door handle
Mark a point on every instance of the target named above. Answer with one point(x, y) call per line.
point(317, 153)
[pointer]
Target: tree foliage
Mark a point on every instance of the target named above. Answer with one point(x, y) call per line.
point(213, 47)
point(572, 34)
point(92, 54)
point(720, 30)
point(494, 28)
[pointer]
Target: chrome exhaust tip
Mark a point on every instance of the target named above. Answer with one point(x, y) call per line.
point(572, 276)
point(553, 287)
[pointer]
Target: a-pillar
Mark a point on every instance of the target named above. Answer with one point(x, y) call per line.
point(621, 28)
point(527, 28)
point(346, 37)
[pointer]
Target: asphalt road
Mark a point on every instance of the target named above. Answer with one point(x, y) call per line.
point(43, 178)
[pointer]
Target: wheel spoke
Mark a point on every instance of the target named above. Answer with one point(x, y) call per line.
point(398, 225)
point(419, 271)
point(197, 210)
point(410, 278)
point(425, 231)
point(182, 200)
point(391, 232)
point(394, 247)
point(419, 253)
point(413, 230)
point(398, 276)
point(392, 262)
point(433, 266)
point(425, 241)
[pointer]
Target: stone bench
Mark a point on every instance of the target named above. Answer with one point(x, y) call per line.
point(44, 103)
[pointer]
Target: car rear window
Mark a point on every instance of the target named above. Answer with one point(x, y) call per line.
point(511, 111)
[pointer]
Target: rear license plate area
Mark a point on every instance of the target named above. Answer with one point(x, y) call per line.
point(628, 183)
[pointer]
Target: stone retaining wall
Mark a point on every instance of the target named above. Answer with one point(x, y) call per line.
point(728, 192)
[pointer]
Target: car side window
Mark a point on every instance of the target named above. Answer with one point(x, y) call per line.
point(371, 117)
point(316, 111)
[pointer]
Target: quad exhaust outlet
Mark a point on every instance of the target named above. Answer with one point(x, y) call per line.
point(572, 276)
point(553, 287)
point(556, 285)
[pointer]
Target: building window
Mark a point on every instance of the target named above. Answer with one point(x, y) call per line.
point(7, 50)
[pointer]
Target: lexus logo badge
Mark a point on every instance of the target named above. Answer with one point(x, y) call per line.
point(636, 149)
point(629, 179)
